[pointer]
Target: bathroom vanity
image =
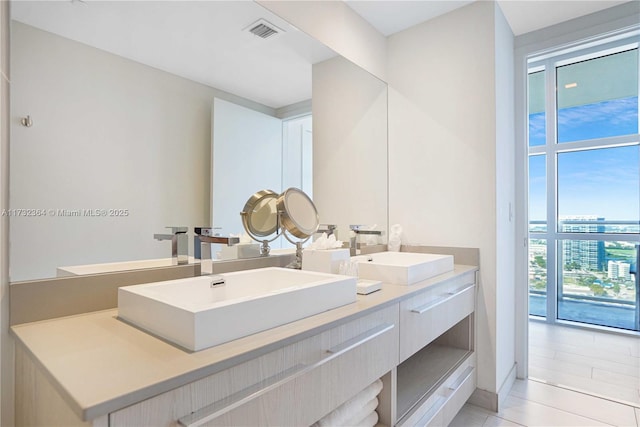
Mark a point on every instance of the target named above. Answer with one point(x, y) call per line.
point(94, 369)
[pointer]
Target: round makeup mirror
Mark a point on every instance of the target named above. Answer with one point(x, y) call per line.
point(260, 218)
point(260, 213)
point(298, 214)
point(299, 217)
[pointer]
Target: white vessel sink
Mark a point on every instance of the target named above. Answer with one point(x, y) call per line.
point(194, 315)
point(402, 268)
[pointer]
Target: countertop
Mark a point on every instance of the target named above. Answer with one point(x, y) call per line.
point(100, 364)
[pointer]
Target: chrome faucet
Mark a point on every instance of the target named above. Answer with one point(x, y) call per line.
point(206, 235)
point(356, 230)
point(179, 244)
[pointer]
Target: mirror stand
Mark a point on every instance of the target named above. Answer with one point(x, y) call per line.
point(265, 249)
point(297, 263)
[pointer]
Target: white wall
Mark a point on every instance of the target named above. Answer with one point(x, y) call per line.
point(108, 133)
point(247, 157)
point(6, 343)
point(505, 199)
point(447, 133)
point(349, 146)
point(336, 25)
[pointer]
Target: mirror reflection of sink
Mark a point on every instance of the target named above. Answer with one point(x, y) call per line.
point(110, 267)
point(194, 315)
point(402, 268)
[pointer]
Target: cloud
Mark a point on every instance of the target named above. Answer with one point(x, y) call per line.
point(537, 128)
point(606, 118)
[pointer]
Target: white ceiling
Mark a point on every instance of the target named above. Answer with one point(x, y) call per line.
point(389, 16)
point(527, 16)
point(204, 42)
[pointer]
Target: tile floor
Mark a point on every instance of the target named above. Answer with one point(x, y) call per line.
point(596, 362)
point(535, 404)
point(580, 378)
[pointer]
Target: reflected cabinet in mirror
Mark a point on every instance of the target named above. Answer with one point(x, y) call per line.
point(145, 115)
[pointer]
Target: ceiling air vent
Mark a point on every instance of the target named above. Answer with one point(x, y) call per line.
point(263, 29)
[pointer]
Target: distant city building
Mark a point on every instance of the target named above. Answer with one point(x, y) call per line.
point(588, 254)
point(618, 270)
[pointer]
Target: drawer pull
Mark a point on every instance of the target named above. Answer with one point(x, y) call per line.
point(462, 378)
point(241, 397)
point(441, 299)
point(360, 339)
point(441, 400)
point(432, 411)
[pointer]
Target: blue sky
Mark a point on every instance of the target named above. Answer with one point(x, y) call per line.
point(603, 182)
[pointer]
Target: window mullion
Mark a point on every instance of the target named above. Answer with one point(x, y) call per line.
point(597, 143)
point(597, 236)
point(552, 178)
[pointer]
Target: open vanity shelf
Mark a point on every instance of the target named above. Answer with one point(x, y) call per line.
point(424, 379)
point(420, 376)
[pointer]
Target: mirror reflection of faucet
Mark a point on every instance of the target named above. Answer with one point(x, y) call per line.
point(179, 244)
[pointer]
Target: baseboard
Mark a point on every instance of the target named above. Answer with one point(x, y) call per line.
point(485, 399)
point(506, 385)
point(493, 401)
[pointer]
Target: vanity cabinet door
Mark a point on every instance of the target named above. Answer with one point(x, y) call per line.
point(294, 385)
point(429, 314)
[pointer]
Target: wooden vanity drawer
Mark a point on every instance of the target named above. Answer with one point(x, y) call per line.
point(295, 385)
point(426, 316)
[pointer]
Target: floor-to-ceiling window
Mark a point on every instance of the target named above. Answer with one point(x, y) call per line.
point(584, 184)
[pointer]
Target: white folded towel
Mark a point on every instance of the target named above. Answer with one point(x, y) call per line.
point(359, 416)
point(340, 415)
point(370, 421)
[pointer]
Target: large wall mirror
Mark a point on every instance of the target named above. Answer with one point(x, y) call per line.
point(126, 118)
